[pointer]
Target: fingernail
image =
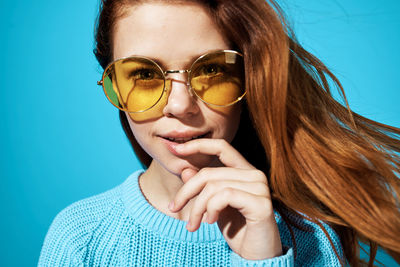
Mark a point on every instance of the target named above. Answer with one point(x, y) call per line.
point(188, 225)
point(171, 205)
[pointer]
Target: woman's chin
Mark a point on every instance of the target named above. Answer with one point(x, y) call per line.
point(196, 162)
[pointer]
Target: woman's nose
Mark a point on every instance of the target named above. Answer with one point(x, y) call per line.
point(181, 103)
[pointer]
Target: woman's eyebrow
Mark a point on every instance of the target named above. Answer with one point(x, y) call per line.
point(163, 63)
point(187, 63)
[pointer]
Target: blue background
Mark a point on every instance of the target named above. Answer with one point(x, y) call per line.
point(61, 141)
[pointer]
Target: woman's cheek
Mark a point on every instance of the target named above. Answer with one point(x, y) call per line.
point(151, 114)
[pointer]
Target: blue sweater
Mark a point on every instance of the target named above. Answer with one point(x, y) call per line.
point(120, 228)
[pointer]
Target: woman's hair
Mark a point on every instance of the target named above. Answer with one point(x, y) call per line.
point(322, 159)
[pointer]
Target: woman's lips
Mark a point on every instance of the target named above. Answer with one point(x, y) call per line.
point(179, 139)
point(183, 135)
point(170, 145)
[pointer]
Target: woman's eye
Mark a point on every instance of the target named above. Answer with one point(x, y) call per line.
point(146, 75)
point(211, 69)
point(143, 74)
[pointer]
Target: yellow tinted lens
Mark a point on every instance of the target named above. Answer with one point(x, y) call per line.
point(134, 84)
point(218, 78)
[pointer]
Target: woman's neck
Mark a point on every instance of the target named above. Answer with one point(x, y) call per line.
point(159, 187)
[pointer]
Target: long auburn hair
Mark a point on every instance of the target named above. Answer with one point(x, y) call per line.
point(321, 158)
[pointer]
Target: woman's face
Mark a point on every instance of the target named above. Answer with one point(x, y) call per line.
point(174, 35)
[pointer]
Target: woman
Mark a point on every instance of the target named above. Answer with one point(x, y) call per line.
point(242, 143)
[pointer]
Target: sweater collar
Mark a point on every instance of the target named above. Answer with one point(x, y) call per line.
point(145, 214)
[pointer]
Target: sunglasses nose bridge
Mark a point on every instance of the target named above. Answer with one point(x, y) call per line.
point(173, 79)
point(176, 71)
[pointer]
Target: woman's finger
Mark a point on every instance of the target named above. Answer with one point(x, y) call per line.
point(196, 183)
point(226, 153)
point(260, 209)
point(187, 174)
point(215, 187)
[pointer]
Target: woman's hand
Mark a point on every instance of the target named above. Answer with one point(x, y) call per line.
point(236, 196)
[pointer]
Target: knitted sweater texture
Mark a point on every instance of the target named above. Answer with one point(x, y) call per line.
point(120, 228)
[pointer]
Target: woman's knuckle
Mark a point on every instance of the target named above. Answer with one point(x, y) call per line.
point(228, 192)
point(259, 175)
point(264, 189)
point(211, 186)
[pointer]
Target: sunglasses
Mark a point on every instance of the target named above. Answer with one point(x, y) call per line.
point(136, 84)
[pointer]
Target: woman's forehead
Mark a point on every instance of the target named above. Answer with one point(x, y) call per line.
point(172, 33)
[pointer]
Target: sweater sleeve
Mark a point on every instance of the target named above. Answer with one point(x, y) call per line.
point(285, 260)
point(65, 242)
point(313, 249)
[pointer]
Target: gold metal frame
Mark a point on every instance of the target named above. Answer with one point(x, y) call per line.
point(165, 73)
